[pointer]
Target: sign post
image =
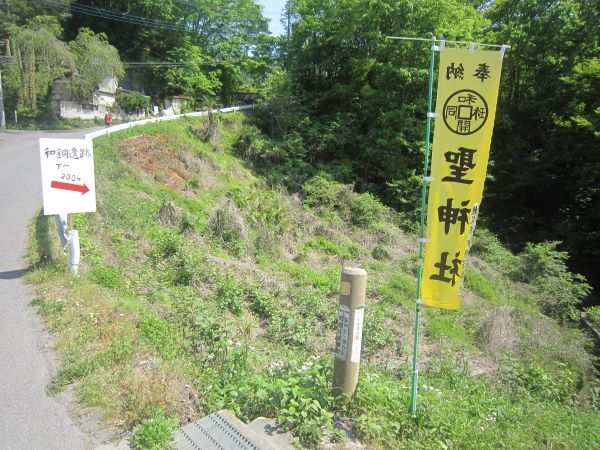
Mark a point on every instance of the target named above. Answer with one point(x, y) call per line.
point(68, 185)
point(353, 287)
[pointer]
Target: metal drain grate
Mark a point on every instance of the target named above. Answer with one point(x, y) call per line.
point(218, 431)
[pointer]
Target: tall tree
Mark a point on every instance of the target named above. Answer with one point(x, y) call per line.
point(18, 12)
point(546, 147)
point(227, 37)
point(39, 57)
point(367, 94)
point(198, 78)
point(94, 60)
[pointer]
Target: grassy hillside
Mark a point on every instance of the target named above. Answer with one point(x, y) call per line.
point(202, 288)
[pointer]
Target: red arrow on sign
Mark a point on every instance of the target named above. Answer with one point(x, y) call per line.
point(70, 187)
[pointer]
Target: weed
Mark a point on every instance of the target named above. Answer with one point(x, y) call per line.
point(498, 333)
point(302, 398)
point(70, 373)
point(376, 335)
point(289, 328)
point(227, 226)
point(167, 243)
point(487, 246)
point(229, 295)
point(349, 251)
point(380, 253)
point(445, 326)
point(558, 384)
point(476, 282)
point(155, 432)
point(160, 333)
point(261, 303)
point(401, 289)
point(107, 276)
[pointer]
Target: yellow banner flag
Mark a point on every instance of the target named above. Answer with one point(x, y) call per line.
point(468, 83)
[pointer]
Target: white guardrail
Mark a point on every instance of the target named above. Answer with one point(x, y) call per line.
point(124, 126)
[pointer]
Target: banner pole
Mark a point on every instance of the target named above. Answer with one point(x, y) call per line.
point(430, 113)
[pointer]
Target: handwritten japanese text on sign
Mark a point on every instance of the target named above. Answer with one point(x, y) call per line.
point(68, 183)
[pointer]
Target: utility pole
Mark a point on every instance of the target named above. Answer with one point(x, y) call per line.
point(2, 119)
point(2, 115)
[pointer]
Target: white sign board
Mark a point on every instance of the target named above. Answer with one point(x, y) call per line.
point(68, 183)
point(341, 344)
point(359, 316)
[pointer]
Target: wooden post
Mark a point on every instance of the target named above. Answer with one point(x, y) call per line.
point(351, 310)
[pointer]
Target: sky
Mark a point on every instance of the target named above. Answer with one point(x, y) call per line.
point(272, 10)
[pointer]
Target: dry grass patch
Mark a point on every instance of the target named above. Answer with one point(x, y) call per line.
point(157, 155)
point(150, 385)
point(499, 332)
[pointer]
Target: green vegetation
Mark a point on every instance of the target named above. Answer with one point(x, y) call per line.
point(336, 96)
point(132, 102)
point(593, 314)
point(203, 286)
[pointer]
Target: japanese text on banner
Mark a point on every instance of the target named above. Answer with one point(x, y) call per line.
point(468, 84)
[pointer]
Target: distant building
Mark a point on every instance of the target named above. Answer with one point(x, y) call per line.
point(103, 100)
point(174, 105)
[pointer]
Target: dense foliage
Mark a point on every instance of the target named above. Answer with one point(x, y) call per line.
point(359, 101)
point(546, 148)
point(39, 57)
point(133, 102)
point(217, 49)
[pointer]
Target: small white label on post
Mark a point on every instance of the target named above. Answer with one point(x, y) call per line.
point(359, 315)
point(341, 341)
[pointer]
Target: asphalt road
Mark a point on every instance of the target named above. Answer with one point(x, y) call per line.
point(29, 419)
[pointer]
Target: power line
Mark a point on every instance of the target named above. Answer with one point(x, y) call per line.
point(155, 64)
point(118, 16)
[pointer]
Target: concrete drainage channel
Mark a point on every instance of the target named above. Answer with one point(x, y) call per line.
point(223, 431)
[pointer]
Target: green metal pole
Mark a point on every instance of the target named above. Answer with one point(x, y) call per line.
point(415, 366)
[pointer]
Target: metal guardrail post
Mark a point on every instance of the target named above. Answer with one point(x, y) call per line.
point(75, 252)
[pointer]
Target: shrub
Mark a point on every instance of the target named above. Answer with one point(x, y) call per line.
point(226, 224)
point(593, 315)
point(251, 145)
point(545, 267)
point(366, 209)
point(328, 196)
point(107, 276)
point(131, 102)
